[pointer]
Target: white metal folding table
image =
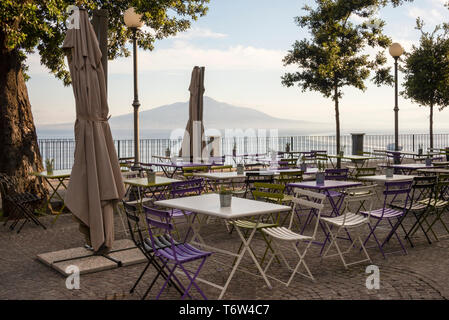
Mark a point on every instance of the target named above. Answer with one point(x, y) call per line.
point(209, 205)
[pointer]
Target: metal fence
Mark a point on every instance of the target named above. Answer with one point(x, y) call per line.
point(62, 150)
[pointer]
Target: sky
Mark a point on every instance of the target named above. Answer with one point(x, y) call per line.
point(241, 44)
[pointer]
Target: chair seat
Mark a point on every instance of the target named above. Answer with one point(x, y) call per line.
point(388, 213)
point(24, 197)
point(179, 213)
point(250, 224)
point(288, 198)
point(417, 206)
point(138, 201)
point(184, 253)
point(160, 242)
point(334, 194)
point(352, 220)
point(283, 233)
point(434, 203)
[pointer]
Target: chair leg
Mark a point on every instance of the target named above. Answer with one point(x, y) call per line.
point(140, 277)
point(301, 261)
point(333, 240)
point(192, 279)
point(372, 229)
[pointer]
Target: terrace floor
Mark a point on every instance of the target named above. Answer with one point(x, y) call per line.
point(422, 274)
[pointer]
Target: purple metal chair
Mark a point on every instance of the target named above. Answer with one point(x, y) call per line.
point(175, 255)
point(145, 246)
point(395, 193)
point(339, 175)
point(185, 188)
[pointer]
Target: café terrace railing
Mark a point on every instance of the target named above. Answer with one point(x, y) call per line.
point(62, 150)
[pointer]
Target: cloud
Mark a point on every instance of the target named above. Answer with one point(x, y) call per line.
point(433, 12)
point(195, 33)
point(182, 56)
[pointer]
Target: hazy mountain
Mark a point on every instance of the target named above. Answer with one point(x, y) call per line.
point(217, 115)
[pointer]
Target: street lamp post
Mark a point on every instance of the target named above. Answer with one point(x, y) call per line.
point(396, 51)
point(134, 22)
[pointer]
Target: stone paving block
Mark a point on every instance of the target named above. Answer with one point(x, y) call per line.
point(88, 263)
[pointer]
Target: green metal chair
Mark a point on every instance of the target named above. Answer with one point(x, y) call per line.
point(357, 173)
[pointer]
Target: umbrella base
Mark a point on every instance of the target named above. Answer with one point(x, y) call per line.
point(124, 254)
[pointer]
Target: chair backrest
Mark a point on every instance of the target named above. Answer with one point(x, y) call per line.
point(362, 196)
point(283, 164)
point(396, 193)
point(310, 201)
point(290, 177)
point(221, 168)
point(188, 172)
point(365, 172)
point(252, 166)
point(336, 174)
point(269, 192)
point(252, 177)
point(160, 227)
point(133, 221)
point(7, 184)
point(130, 174)
point(187, 188)
point(291, 162)
point(423, 187)
point(442, 187)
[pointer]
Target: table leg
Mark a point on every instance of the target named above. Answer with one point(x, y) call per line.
point(246, 247)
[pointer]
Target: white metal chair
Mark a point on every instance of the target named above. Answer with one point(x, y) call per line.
point(280, 236)
point(351, 220)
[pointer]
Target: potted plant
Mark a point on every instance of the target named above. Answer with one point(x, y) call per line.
point(287, 147)
point(389, 172)
point(303, 165)
point(167, 152)
point(225, 197)
point(240, 168)
point(49, 163)
point(341, 153)
point(151, 176)
point(320, 174)
point(234, 149)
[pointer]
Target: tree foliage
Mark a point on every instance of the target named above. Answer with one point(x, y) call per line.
point(426, 69)
point(30, 25)
point(335, 55)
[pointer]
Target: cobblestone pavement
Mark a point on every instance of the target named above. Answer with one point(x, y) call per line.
point(421, 274)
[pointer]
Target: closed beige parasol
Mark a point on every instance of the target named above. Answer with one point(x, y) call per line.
point(96, 183)
point(193, 143)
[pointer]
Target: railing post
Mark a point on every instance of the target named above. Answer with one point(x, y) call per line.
point(118, 149)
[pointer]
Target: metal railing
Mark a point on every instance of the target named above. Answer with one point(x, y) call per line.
point(62, 150)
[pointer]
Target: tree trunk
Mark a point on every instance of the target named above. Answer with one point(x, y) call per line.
point(337, 127)
point(431, 125)
point(19, 153)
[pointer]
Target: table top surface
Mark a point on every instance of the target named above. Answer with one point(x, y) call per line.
point(328, 184)
point(383, 178)
point(181, 164)
point(220, 175)
point(56, 174)
point(434, 170)
point(143, 182)
point(278, 171)
point(352, 157)
point(209, 204)
point(410, 166)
